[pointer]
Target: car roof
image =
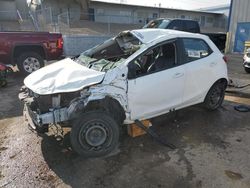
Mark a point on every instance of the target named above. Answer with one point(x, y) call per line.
point(149, 35)
point(171, 19)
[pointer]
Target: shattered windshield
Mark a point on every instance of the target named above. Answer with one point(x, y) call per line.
point(111, 53)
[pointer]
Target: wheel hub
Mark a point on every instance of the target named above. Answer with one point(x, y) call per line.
point(216, 95)
point(31, 64)
point(95, 135)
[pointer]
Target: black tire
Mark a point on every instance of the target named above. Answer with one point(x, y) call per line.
point(94, 134)
point(247, 70)
point(29, 62)
point(42, 129)
point(215, 96)
point(3, 83)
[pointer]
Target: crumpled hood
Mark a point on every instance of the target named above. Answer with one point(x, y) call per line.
point(62, 76)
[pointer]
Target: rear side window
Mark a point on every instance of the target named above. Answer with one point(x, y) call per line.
point(192, 27)
point(195, 49)
point(176, 25)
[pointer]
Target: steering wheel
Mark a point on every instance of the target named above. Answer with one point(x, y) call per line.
point(138, 67)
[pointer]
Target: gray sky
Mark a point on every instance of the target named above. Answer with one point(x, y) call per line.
point(179, 4)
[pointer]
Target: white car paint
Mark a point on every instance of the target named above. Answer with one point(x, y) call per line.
point(246, 59)
point(152, 94)
point(62, 76)
point(203, 73)
point(143, 97)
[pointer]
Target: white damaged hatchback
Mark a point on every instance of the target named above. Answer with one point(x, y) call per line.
point(136, 75)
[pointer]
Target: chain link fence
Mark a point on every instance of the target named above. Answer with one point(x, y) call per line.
point(90, 24)
point(40, 20)
point(67, 22)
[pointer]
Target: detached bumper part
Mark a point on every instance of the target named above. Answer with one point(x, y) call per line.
point(52, 117)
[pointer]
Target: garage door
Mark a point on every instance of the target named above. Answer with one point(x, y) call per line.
point(242, 35)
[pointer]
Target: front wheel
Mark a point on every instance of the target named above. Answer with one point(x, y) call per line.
point(247, 70)
point(94, 134)
point(29, 62)
point(215, 96)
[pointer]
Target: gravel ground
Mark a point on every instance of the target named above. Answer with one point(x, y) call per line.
point(212, 149)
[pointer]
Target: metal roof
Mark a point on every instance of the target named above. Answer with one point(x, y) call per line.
point(163, 8)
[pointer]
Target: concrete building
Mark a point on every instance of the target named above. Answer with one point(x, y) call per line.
point(132, 14)
point(9, 8)
point(239, 25)
point(223, 9)
point(105, 12)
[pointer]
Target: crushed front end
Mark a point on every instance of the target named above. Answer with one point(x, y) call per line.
point(42, 110)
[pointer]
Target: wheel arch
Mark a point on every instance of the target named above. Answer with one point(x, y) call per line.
point(107, 104)
point(221, 80)
point(22, 48)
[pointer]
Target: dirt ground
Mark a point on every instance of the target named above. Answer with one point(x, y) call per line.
point(212, 149)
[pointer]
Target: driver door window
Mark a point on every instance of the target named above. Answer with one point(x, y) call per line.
point(157, 59)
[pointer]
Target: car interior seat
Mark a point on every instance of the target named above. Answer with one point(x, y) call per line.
point(165, 60)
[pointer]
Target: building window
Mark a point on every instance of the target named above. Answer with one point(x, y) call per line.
point(183, 16)
point(155, 15)
point(210, 20)
point(196, 19)
point(202, 21)
point(100, 11)
point(125, 13)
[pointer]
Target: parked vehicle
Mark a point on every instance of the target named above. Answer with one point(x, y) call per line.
point(136, 75)
point(191, 26)
point(29, 49)
point(246, 60)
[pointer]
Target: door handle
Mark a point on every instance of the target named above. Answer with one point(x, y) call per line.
point(178, 74)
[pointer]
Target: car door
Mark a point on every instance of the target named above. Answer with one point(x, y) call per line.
point(199, 63)
point(156, 90)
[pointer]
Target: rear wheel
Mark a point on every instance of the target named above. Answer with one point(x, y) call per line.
point(29, 62)
point(94, 134)
point(247, 70)
point(215, 96)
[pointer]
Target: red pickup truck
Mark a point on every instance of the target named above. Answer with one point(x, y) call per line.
point(28, 50)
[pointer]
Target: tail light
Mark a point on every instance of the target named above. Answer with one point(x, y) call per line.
point(225, 58)
point(60, 43)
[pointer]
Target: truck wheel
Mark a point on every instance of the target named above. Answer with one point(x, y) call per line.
point(29, 62)
point(215, 96)
point(247, 70)
point(94, 134)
